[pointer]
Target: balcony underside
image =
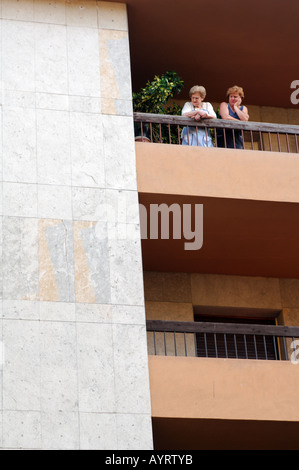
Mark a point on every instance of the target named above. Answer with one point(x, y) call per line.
point(250, 209)
point(240, 237)
point(217, 434)
point(207, 42)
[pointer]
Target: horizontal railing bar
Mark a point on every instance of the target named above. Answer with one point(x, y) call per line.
point(216, 123)
point(233, 328)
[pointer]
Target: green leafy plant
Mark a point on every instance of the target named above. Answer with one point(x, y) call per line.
point(154, 98)
point(155, 95)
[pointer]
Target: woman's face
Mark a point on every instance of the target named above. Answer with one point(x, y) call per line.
point(234, 98)
point(196, 99)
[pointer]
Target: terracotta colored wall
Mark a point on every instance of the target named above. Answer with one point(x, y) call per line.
point(224, 388)
point(212, 172)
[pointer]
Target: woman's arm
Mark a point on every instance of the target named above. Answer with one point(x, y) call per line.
point(199, 113)
point(243, 114)
point(191, 112)
point(187, 109)
point(223, 110)
point(209, 112)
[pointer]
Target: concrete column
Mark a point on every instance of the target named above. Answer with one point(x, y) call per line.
point(74, 373)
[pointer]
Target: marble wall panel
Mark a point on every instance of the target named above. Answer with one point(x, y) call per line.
point(56, 102)
point(122, 206)
point(51, 72)
point(53, 147)
point(98, 431)
point(22, 429)
point(128, 314)
point(93, 313)
point(18, 98)
point(95, 368)
point(119, 152)
point(115, 64)
point(22, 10)
point(19, 199)
point(83, 62)
point(59, 239)
point(112, 16)
point(85, 104)
point(60, 430)
point(19, 144)
point(87, 153)
point(2, 359)
point(83, 284)
point(130, 359)
point(82, 13)
point(57, 311)
point(134, 431)
point(1, 153)
point(1, 257)
point(53, 12)
point(20, 258)
point(126, 284)
point(54, 202)
point(89, 204)
point(18, 43)
point(20, 309)
point(58, 364)
point(97, 254)
point(21, 370)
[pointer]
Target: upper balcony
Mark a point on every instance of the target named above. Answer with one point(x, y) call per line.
point(269, 137)
point(250, 197)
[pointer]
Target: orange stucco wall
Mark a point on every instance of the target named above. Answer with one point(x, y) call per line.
point(224, 388)
point(213, 172)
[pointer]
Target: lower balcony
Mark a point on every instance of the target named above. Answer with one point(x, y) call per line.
point(230, 340)
point(223, 386)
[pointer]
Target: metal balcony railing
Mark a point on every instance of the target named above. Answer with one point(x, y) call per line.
point(223, 340)
point(158, 128)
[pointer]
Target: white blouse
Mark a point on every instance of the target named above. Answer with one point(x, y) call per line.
point(205, 106)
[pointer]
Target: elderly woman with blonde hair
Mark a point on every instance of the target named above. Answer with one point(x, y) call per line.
point(197, 109)
point(232, 110)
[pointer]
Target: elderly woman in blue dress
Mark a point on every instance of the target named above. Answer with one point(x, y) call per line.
point(197, 109)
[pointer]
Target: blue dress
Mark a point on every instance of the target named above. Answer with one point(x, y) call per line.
point(197, 139)
point(198, 136)
point(232, 141)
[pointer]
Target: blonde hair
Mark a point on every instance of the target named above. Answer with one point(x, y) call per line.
point(235, 89)
point(198, 89)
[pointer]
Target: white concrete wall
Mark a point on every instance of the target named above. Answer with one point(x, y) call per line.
point(75, 371)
